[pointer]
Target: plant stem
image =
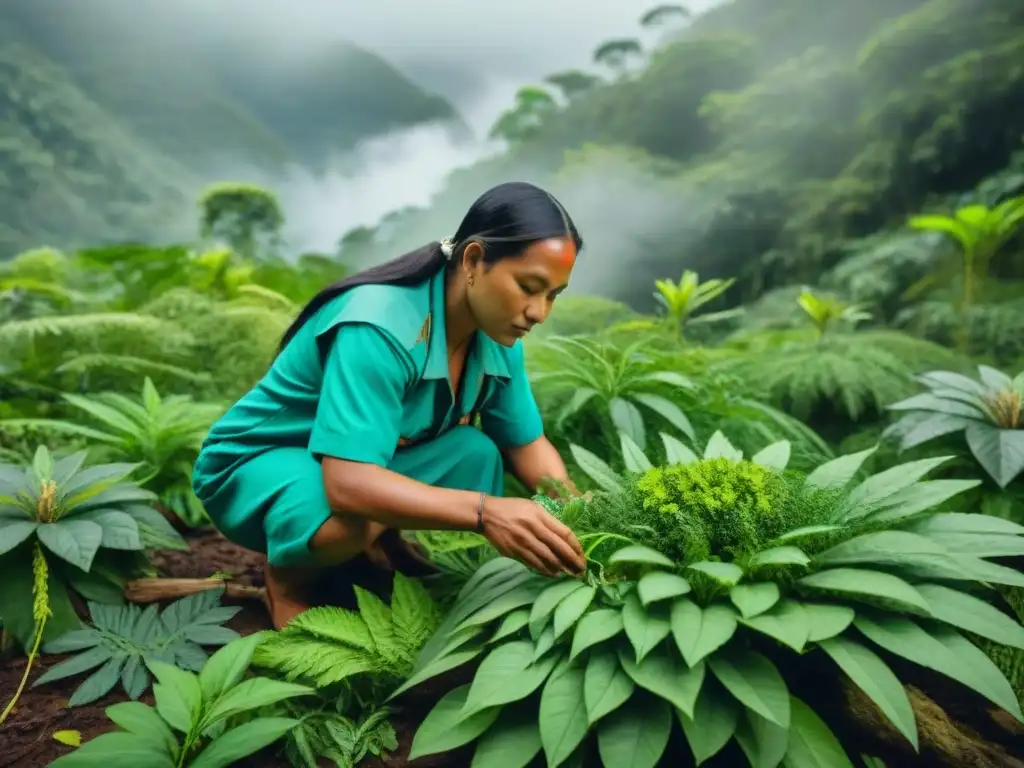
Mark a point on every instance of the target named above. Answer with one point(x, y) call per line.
point(28, 668)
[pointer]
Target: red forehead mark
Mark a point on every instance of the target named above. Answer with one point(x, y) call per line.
point(567, 254)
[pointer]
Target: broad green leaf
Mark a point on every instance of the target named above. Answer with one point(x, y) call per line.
point(700, 632)
point(596, 469)
point(921, 497)
point(99, 683)
point(75, 541)
point(179, 699)
point(546, 602)
point(544, 643)
point(676, 452)
point(252, 694)
point(827, 620)
point(595, 627)
point(243, 740)
point(119, 530)
point(719, 447)
point(563, 714)
point(445, 728)
point(868, 495)
point(13, 532)
point(116, 750)
point(914, 431)
point(639, 555)
point(569, 611)
point(606, 686)
point(755, 682)
point(887, 548)
point(999, 451)
point(507, 674)
point(811, 742)
point(512, 623)
point(979, 544)
point(635, 736)
point(142, 720)
point(438, 666)
point(775, 456)
point(659, 585)
point(787, 555)
point(869, 673)
point(930, 402)
point(628, 420)
point(808, 530)
point(668, 411)
point(762, 741)
point(754, 598)
point(713, 723)
point(942, 649)
point(837, 474)
point(786, 622)
point(643, 628)
point(225, 668)
point(83, 662)
point(523, 594)
point(633, 455)
point(512, 742)
point(865, 585)
point(663, 673)
point(726, 574)
point(973, 615)
point(576, 403)
point(76, 640)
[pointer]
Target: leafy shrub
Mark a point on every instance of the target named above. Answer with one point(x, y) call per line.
point(93, 526)
point(608, 663)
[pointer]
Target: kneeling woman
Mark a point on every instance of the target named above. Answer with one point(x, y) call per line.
point(362, 423)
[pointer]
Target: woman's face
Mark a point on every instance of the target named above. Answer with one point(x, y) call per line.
point(511, 296)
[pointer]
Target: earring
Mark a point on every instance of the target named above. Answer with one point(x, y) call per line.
point(470, 279)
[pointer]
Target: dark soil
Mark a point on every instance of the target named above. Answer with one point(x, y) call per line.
point(26, 739)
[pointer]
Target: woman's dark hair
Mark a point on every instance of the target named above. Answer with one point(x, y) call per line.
point(505, 220)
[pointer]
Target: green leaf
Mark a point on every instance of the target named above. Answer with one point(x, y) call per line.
point(811, 742)
point(512, 623)
point(544, 643)
point(999, 451)
point(546, 602)
point(827, 620)
point(563, 714)
point(75, 640)
point(837, 474)
point(973, 615)
point(663, 673)
point(569, 611)
point(788, 555)
point(75, 541)
point(668, 411)
point(755, 598)
point(944, 650)
point(252, 694)
point(142, 720)
point(639, 555)
point(676, 452)
point(869, 673)
point(762, 741)
point(119, 530)
point(866, 585)
point(808, 530)
point(606, 686)
point(643, 628)
point(714, 721)
point(83, 662)
point(633, 455)
point(116, 750)
point(628, 420)
point(700, 632)
point(921, 497)
point(775, 456)
point(595, 627)
point(726, 574)
point(445, 728)
point(523, 594)
point(659, 585)
point(512, 742)
point(243, 740)
point(507, 674)
point(596, 469)
point(786, 622)
point(866, 497)
point(438, 666)
point(755, 682)
point(888, 548)
point(99, 683)
point(13, 532)
point(635, 736)
point(179, 699)
point(719, 447)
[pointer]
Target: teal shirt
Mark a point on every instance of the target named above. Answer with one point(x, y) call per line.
point(368, 373)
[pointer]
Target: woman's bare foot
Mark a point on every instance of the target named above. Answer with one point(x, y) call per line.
point(287, 593)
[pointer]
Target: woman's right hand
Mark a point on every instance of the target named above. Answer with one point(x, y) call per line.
point(522, 529)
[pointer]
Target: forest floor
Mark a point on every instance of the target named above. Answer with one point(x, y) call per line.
point(26, 739)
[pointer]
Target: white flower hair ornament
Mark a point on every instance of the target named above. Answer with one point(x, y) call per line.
point(447, 247)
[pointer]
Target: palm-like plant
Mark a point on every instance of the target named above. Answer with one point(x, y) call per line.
point(92, 526)
point(161, 435)
point(710, 579)
point(611, 382)
point(682, 300)
point(988, 410)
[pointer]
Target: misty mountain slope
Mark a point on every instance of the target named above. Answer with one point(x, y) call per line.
point(61, 154)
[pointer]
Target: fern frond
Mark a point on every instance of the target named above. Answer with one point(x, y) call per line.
point(333, 624)
point(129, 364)
point(414, 616)
point(377, 616)
point(24, 331)
point(310, 659)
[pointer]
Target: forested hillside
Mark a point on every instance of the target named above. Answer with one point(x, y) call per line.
point(110, 136)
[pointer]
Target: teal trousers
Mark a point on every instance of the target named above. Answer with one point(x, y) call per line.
point(275, 501)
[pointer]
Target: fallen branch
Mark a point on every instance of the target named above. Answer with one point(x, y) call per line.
point(154, 590)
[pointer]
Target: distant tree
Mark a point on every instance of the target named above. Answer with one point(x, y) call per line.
point(245, 216)
point(533, 104)
point(660, 15)
point(573, 83)
point(616, 54)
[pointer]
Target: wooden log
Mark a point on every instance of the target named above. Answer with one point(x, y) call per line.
point(154, 590)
